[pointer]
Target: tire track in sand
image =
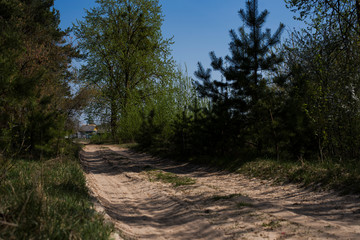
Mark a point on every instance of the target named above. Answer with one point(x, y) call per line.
point(219, 206)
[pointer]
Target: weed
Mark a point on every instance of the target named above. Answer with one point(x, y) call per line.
point(167, 177)
point(271, 225)
point(225, 197)
point(244, 204)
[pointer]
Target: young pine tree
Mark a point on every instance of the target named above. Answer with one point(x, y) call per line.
point(247, 72)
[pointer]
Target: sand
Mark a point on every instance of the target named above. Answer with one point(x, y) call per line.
point(220, 205)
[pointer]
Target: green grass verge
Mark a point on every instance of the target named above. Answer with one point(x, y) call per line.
point(48, 200)
point(341, 176)
point(167, 177)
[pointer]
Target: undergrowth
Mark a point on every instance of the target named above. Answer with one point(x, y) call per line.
point(330, 174)
point(342, 176)
point(105, 138)
point(48, 200)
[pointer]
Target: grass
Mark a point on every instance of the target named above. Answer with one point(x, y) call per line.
point(341, 176)
point(48, 200)
point(167, 177)
point(271, 225)
point(225, 197)
point(231, 196)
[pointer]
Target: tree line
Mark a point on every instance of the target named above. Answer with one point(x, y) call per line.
point(295, 100)
point(298, 99)
point(37, 107)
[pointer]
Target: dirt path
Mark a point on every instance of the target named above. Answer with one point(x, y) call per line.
point(220, 205)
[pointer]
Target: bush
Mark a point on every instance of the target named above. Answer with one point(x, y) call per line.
point(101, 138)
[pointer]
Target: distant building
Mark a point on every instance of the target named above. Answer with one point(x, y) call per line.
point(86, 131)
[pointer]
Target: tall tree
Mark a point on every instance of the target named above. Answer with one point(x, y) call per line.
point(127, 57)
point(35, 57)
point(323, 65)
point(247, 73)
point(345, 14)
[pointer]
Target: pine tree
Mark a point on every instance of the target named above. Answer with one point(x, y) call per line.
point(34, 91)
point(247, 72)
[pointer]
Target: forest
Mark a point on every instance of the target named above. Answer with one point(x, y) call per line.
point(277, 103)
point(292, 100)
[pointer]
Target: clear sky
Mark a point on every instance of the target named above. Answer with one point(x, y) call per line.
point(198, 26)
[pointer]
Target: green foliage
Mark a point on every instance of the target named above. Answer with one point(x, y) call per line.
point(324, 84)
point(149, 132)
point(35, 95)
point(345, 14)
point(240, 111)
point(48, 200)
point(101, 138)
point(128, 61)
point(157, 132)
point(305, 107)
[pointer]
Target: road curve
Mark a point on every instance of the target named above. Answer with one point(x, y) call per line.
point(220, 205)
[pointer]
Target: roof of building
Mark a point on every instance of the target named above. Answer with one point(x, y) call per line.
point(88, 128)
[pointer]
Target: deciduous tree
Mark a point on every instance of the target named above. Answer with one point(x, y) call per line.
point(127, 57)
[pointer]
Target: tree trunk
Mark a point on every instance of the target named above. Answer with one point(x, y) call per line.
point(113, 120)
point(357, 4)
point(275, 135)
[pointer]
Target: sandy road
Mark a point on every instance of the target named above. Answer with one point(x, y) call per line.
point(220, 205)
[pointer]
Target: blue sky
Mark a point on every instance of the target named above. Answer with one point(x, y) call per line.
point(198, 26)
